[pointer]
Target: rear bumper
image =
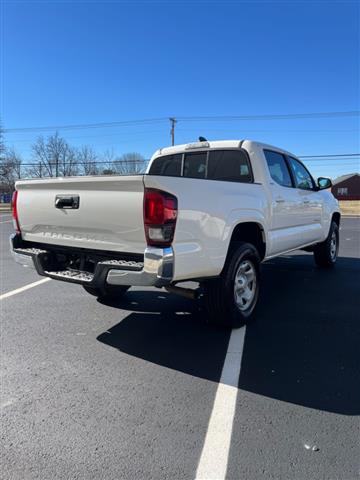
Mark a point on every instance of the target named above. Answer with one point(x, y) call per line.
point(156, 270)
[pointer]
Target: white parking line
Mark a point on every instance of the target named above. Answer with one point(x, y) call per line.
point(7, 221)
point(22, 289)
point(215, 453)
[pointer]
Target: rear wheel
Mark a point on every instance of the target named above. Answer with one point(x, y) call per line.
point(325, 253)
point(230, 300)
point(107, 292)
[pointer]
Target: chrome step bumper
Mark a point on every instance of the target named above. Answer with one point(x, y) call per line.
point(157, 269)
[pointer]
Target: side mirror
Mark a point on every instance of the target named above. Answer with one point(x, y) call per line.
point(324, 183)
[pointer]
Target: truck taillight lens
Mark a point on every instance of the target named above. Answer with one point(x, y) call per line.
point(160, 214)
point(15, 212)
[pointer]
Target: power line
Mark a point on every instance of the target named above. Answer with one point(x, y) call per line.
point(86, 125)
point(331, 156)
point(287, 116)
point(335, 164)
point(119, 135)
point(90, 162)
point(309, 158)
point(290, 116)
point(108, 162)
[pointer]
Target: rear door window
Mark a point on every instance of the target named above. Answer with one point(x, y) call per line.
point(229, 166)
point(278, 168)
point(168, 165)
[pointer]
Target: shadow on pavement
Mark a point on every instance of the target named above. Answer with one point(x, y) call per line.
point(303, 348)
point(177, 338)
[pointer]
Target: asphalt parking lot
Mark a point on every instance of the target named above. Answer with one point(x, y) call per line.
point(127, 391)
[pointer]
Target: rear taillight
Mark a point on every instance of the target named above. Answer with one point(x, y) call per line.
point(15, 212)
point(160, 214)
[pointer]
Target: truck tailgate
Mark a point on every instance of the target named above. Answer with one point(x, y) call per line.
point(109, 215)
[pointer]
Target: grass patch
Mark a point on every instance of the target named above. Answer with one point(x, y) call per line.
point(350, 207)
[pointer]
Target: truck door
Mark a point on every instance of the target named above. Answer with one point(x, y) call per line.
point(286, 207)
point(311, 201)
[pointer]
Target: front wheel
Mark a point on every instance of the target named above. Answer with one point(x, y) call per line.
point(230, 300)
point(325, 253)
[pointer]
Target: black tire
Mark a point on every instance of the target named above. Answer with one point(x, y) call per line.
point(325, 253)
point(112, 292)
point(219, 294)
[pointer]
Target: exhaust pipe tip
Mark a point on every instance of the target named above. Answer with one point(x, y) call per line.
point(184, 292)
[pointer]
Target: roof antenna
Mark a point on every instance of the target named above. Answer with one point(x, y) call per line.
point(202, 139)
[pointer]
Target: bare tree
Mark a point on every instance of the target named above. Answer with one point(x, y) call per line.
point(108, 159)
point(10, 169)
point(44, 163)
point(87, 158)
point(3, 166)
point(2, 144)
point(130, 164)
point(53, 157)
point(68, 164)
point(10, 165)
point(14, 158)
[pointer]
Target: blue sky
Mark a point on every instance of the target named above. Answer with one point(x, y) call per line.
point(87, 62)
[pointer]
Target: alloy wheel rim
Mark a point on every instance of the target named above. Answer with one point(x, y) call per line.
point(245, 285)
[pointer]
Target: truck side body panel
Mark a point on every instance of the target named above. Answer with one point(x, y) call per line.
point(209, 210)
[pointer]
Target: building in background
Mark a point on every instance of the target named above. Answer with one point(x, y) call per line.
point(347, 187)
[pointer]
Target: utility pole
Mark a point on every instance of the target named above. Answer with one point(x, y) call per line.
point(172, 131)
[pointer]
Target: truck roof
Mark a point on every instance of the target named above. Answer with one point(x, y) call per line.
point(214, 144)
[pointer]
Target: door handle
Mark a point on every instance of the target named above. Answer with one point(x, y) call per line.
point(67, 201)
point(279, 200)
point(306, 200)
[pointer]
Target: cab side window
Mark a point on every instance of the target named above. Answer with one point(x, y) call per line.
point(168, 165)
point(195, 165)
point(302, 177)
point(278, 168)
point(229, 166)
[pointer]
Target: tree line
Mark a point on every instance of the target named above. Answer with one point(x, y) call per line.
point(53, 156)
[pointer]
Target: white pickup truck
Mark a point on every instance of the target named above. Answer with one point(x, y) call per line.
point(208, 212)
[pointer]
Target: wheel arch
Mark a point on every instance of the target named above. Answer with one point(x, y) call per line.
point(250, 232)
point(336, 218)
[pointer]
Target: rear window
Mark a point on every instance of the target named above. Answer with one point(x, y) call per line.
point(222, 165)
point(278, 168)
point(169, 165)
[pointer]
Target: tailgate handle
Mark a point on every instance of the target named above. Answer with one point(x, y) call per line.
point(67, 201)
